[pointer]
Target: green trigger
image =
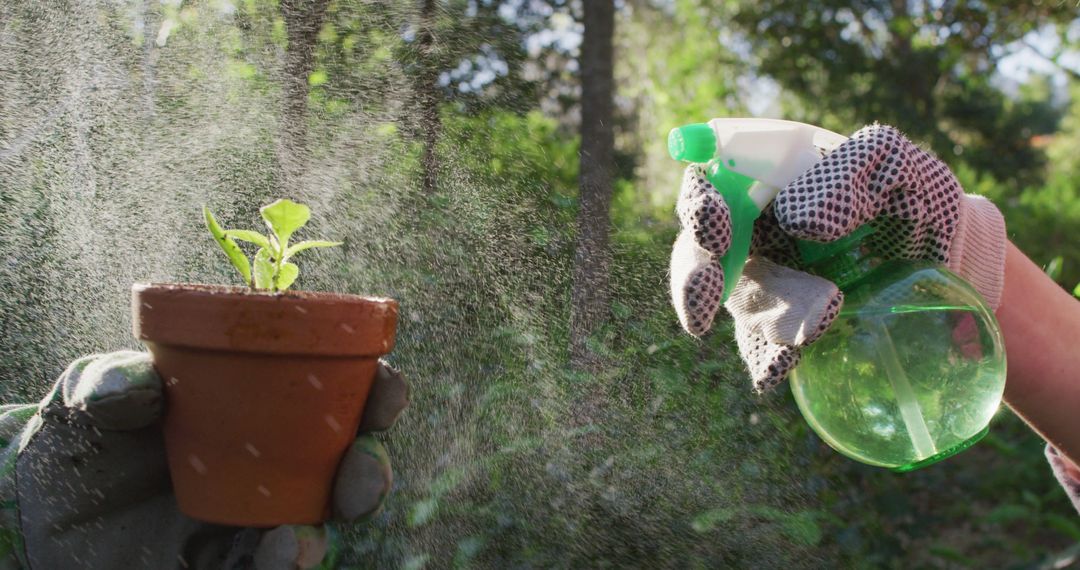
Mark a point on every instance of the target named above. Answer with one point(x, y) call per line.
point(735, 188)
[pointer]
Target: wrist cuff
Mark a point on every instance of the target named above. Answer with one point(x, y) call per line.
point(1065, 474)
point(978, 249)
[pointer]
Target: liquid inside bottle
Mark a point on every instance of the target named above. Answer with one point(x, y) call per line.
point(911, 371)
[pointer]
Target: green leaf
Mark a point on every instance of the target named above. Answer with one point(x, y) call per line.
point(236, 256)
point(286, 275)
point(416, 562)
point(803, 527)
point(317, 77)
point(1007, 513)
point(284, 217)
point(1063, 525)
point(1053, 269)
point(448, 481)
point(710, 519)
point(467, 549)
point(386, 129)
point(264, 270)
point(1076, 291)
point(422, 512)
point(250, 237)
point(308, 244)
point(950, 554)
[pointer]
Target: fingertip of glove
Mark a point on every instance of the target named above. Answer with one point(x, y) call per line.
point(768, 363)
point(290, 547)
point(699, 299)
point(773, 377)
point(775, 373)
point(364, 481)
point(117, 391)
point(390, 395)
point(828, 312)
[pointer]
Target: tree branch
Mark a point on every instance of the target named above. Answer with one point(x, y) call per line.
point(1054, 59)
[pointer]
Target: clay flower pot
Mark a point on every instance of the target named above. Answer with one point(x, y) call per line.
point(263, 392)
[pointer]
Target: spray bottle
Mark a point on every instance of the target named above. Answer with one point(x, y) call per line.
point(913, 369)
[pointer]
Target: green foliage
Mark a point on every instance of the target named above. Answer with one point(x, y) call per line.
point(1043, 221)
point(273, 270)
point(672, 78)
point(1053, 269)
point(924, 68)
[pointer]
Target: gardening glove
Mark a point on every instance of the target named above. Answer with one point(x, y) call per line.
point(912, 200)
point(1067, 473)
point(85, 483)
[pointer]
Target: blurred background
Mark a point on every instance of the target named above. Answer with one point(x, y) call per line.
point(560, 416)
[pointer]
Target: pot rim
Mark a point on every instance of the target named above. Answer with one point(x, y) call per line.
point(236, 319)
point(216, 290)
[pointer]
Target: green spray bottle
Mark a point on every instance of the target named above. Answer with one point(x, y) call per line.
point(913, 368)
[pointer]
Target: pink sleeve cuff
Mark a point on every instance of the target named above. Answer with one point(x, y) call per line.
point(978, 249)
point(1067, 474)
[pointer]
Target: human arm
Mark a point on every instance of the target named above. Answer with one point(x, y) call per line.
point(1041, 322)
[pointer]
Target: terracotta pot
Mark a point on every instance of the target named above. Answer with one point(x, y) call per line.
point(263, 393)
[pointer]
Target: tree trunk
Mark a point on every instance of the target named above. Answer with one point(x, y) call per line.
point(146, 18)
point(592, 260)
point(428, 95)
point(303, 19)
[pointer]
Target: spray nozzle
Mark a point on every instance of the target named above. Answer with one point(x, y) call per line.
point(692, 143)
point(740, 151)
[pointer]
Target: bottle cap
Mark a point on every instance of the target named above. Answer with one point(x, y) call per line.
point(812, 252)
point(692, 143)
point(843, 261)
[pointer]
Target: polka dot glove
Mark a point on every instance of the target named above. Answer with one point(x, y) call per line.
point(85, 483)
point(913, 201)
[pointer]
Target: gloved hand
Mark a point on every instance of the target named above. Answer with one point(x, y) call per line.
point(1067, 473)
point(85, 483)
point(913, 201)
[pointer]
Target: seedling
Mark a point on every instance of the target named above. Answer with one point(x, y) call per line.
point(272, 269)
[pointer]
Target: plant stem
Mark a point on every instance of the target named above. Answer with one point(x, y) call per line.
point(278, 257)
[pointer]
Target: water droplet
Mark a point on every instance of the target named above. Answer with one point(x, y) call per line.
point(197, 464)
point(264, 490)
point(332, 422)
point(314, 380)
point(252, 450)
point(345, 327)
point(147, 305)
point(300, 309)
point(173, 381)
point(755, 419)
point(183, 562)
